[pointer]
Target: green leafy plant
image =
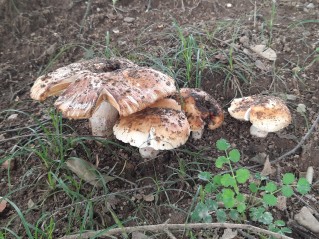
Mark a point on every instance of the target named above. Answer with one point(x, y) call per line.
point(222, 196)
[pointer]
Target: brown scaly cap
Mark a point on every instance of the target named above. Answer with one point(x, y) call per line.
point(239, 108)
point(129, 90)
point(133, 89)
point(55, 82)
point(158, 128)
point(82, 97)
point(200, 108)
point(270, 114)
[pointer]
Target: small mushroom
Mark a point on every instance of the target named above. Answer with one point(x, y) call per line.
point(266, 113)
point(160, 127)
point(201, 109)
point(102, 96)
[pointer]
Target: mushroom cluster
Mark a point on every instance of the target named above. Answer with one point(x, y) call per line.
point(100, 90)
point(119, 97)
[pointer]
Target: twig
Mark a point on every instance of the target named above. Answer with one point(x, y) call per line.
point(165, 227)
point(301, 142)
point(170, 235)
point(87, 11)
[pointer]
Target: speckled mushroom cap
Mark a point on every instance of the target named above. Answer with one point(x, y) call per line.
point(200, 108)
point(82, 97)
point(158, 128)
point(270, 114)
point(55, 82)
point(240, 107)
point(129, 90)
point(266, 113)
point(133, 89)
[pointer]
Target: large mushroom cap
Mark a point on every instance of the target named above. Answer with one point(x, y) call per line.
point(134, 89)
point(270, 115)
point(200, 108)
point(55, 82)
point(82, 97)
point(158, 128)
point(129, 91)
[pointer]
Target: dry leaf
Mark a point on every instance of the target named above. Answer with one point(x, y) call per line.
point(229, 234)
point(3, 204)
point(267, 170)
point(86, 171)
point(260, 65)
point(259, 158)
point(264, 52)
point(281, 203)
point(31, 204)
point(8, 164)
point(301, 108)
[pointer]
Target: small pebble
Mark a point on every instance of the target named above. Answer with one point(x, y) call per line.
point(129, 19)
point(310, 6)
point(306, 219)
point(13, 117)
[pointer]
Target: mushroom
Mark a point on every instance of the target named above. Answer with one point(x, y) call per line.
point(162, 126)
point(266, 113)
point(101, 96)
point(55, 82)
point(201, 109)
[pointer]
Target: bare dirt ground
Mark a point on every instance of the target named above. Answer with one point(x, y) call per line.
point(37, 36)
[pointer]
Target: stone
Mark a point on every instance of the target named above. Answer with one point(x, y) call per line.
point(306, 219)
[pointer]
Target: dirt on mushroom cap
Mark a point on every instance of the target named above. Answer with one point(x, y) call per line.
point(200, 108)
point(169, 128)
point(270, 115)
point(55, 82)
point(266, 113)
point(134, 89)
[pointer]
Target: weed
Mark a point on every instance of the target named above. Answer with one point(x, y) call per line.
point(230, 203)
point(272, 20)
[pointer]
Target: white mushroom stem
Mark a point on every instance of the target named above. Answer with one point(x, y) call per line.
point(197, 134)
point(257, 132)
point(148, 152)
point(103, 120)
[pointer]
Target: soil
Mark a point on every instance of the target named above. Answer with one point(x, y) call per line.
point(38, 36)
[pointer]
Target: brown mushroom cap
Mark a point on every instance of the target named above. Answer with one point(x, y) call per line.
point(271, 114)
point(129, 91)
point(134, 89)
point(266, 113)
point(239, 107)
point(158, 128)
point(82, 97)
point(55, 82)
point(166, 103)
point(200, 108)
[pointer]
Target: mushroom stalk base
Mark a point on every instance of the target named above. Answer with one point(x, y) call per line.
point(198, 134)
point(148, 152)
point(257, 132)
point(103, 120)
